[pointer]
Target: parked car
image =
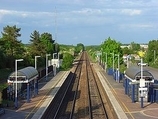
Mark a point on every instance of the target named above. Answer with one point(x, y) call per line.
point(2, 110)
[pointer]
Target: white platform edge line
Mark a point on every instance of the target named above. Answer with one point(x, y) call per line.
point(47, 101)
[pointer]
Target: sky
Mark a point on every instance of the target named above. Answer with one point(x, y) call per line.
point(89, 22)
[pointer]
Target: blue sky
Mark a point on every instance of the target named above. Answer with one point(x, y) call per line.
point(83, 21)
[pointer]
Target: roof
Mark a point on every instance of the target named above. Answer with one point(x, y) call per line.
point(29, 72)
point(135, 71)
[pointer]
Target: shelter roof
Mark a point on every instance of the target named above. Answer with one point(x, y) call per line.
point(29, 72)
point(135, 71)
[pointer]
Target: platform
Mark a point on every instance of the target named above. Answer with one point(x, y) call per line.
point(33, 108)
point(132, 110)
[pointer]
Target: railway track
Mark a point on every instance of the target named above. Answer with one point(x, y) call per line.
point(96, 104)
point(81, 96)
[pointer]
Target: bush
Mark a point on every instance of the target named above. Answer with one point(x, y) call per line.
point(123, 68)
point(67, 61)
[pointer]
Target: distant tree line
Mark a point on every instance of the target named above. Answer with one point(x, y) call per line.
point(40, 44)
point(12, 48)
point(151, 52)
point(110, 46)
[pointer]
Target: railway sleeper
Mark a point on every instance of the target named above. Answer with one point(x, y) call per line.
point(94, 96)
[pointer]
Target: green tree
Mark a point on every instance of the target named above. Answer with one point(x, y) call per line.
point(48, 42)
point(67, 61)
point(152, 52)
point(10, 44)
point(135, 47)
point(92, 51)
point(126, 50)
point(110, 46)
point(2, 55)
point(67, 48)
point(79, 48)
point(36, 46)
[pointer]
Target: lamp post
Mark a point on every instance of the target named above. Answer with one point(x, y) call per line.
point(16, 85)
point(47, 65)
point(36, 61)
point(141, 68)
point(154, 55)
point(127, 61)
point(36, 80)
point(101, 61)
point(106, 58)
point(58, 60)
point(113, 61)
point(118, 66)
point(142, 82)
point(118, 74)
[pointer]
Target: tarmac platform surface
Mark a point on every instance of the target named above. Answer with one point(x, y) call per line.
point(25, 109)
point(132, 110)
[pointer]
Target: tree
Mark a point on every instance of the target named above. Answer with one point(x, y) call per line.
point(36, 46)
point(92, 51)
point(67, 61)
point(126, 50)
point(110, 46)
point(10, 44)
point(48, 42)
point(135, 47)
point(79, 48)
point(2, 55)
point(152, 52)
point(2, 59)
point(67, 48)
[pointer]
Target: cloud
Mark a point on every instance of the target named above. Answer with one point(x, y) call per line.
point(78, 20)
point(25, 17)
point(88, 11)
point(24, 13)
point(90, 16)
point(4, 12)
point(142, 26)
point(131, 12)
point(137, 26)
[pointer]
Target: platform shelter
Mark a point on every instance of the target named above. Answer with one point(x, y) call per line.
point(132, 82)
point(27, 76)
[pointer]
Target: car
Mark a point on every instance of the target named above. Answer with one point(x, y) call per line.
point(2, 111)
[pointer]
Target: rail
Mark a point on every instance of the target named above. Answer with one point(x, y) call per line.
point(81, 95)
point(95, 99)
